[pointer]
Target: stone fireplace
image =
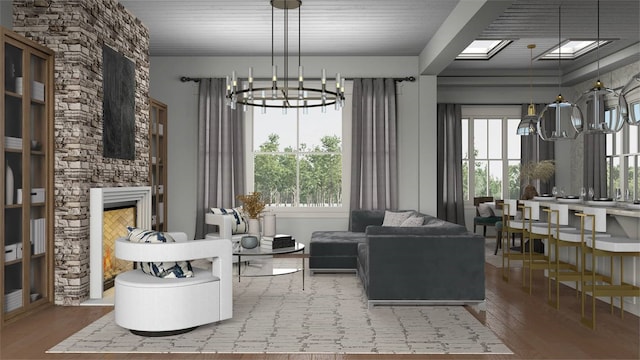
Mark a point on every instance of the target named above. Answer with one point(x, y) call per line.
point(102, 199)
point(77, 32)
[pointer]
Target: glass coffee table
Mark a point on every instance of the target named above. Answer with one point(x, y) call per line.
point(251, 270)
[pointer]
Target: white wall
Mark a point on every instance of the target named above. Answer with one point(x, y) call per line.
point(416, 125)
point(6, 13)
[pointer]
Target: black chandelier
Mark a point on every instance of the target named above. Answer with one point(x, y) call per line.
point(281, 94)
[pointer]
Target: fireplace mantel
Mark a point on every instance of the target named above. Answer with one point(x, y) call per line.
point(99, 198)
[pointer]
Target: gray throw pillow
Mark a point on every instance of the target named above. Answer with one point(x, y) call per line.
point(413, 221)
point(395, 218)
point(485, 210)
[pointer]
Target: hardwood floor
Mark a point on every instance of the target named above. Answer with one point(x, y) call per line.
point(526, 324)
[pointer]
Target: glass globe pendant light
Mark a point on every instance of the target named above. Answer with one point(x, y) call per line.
point(630, 112)
point(529, 123)
point(561, 119)
point(596, 121)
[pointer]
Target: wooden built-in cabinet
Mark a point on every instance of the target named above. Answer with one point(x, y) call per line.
point(158, 161)
point(26, 183)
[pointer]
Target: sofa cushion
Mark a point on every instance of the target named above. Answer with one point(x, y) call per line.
point(239, 225)
point(395, 218)
point(434, 228)
point(169, 269)
point(335, 243)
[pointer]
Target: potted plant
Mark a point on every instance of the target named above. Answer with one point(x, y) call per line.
point(541, 170)
point(252, 205)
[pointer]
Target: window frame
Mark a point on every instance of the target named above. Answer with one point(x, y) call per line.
point(503, 112)
point(625, 157)
point(297, 211)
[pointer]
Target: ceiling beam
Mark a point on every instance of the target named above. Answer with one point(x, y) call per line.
point(467, 20)
point(608, 63)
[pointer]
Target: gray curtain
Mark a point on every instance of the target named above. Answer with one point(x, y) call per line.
point(374, 164)
point(449, 192)
point(221, 169)
point(534, 149)
point(595, 163)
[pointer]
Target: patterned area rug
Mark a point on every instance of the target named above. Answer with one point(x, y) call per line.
point(274, 315)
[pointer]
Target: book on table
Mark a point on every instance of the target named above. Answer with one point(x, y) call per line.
point(277, 242)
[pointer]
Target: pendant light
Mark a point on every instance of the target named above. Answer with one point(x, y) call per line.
point(630, 112)
point(561, 119)
point(281, 94)
point(596, 122)
point(529, 123)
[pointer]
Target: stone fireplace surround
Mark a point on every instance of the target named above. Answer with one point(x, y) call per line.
point(76, 31)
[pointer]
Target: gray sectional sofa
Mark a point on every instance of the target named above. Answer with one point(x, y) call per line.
point(436, 263)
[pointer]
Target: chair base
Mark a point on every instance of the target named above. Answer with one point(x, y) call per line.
point(162, 333)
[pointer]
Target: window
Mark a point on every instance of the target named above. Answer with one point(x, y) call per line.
point(623, 161)
point(572, 49)
point(482, 49)
point(490, 152)
point(299, 158)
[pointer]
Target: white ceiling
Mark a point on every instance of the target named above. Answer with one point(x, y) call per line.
point(395, 27)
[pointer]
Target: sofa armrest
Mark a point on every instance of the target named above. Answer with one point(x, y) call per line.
point(360, 219)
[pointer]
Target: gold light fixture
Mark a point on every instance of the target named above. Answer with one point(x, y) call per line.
point(281, 94)
point(529, 123)
point(594, 97)
point(561, 119)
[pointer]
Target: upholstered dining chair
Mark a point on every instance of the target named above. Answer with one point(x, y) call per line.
point(484, 215)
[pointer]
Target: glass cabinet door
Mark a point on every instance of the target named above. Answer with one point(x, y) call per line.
point(13, 280)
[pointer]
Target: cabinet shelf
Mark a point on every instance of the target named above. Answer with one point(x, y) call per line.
point(13, 94)
point(13, 262)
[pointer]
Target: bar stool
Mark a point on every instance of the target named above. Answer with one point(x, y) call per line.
point(510, 227)
point(540, 230)
point(566, 237)
point(613, 246)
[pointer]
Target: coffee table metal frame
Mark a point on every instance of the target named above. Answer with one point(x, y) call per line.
point(239, 251)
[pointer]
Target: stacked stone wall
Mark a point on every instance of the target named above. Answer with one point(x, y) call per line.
point(77, 30)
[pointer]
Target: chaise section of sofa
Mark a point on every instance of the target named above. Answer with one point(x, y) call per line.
point(336, 251)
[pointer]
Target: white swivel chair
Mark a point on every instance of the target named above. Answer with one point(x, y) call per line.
point(153, 306)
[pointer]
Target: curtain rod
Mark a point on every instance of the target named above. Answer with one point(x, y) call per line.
point(187, 79)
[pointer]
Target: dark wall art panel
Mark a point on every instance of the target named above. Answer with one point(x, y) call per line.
point(118, 105)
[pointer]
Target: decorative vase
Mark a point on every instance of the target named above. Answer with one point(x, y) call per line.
point(269, 224)
point(9, 186)
point(254, 227)
point(249, 241)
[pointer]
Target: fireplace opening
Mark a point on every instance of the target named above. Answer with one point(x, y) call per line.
point(114, 226)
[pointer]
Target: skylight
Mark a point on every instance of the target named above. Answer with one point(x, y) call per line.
point(572, 49)
point(482, 49)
